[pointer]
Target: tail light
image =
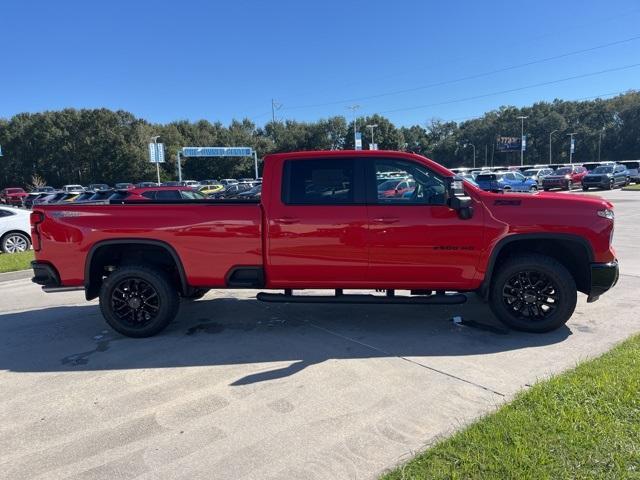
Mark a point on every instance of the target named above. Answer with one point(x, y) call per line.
point(36, 219)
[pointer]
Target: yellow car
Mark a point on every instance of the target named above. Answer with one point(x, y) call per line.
point(211, 189)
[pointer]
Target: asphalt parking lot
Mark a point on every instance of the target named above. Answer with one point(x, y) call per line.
point(237, 389)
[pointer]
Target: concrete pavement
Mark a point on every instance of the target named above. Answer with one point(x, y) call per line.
point(244, 390)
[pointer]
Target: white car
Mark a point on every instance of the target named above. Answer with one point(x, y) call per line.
point(15, 229)
point(73, 188)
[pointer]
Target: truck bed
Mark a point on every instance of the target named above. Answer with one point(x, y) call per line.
point(209, 237)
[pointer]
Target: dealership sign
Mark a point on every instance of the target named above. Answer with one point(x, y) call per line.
point(217, 152)
point(508, 144)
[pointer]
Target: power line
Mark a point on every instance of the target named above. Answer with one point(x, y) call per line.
point(510, 90)
point(469, 77)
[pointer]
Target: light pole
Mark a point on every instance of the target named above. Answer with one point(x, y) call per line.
point(353, 109)
point(571, 146)
point(600, 143)
point(552, 132)
point(474, 154)
point(522, 118)
point(373, 143)
point(155, 141)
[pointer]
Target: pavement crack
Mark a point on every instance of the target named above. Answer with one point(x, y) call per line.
point(389, 354)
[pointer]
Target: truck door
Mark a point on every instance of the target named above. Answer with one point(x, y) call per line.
point(317, 225)
point(416, 240)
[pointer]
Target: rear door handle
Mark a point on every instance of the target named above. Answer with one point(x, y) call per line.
point(286, 220)
point(386, 220)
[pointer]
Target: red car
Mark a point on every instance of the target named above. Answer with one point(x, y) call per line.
point(395, 187)
point(13, 196)
point(565, 178)
point(320, 224)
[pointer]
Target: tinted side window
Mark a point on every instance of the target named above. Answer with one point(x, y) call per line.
point(150, 195)
point(168, 195)
point(319, 182)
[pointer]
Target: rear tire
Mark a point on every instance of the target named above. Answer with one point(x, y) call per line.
point(533, 189)
point(585, 189)
point(138, 301)
point(533, 293)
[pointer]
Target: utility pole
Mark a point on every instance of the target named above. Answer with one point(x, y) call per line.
point(274, 107)
point(600, 143)
point(155, 143)
point(571, 144)
point(474, 154)
point(353, 109)
point(373, 143)
point(552, 132)
point(522, 118)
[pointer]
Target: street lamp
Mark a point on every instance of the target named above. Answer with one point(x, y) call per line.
point(353, 109)
point(552, 132)
point(474, 153)
point(373, 143)
point(571, 146)
point(522, 118)
point(155, 141)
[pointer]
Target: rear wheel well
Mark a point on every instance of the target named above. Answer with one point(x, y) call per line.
point(106, 258)
point(572, 254)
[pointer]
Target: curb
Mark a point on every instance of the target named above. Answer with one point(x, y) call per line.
point(19, 275)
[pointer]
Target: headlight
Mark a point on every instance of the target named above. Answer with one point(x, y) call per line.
point(567, 177)
point(606, 213)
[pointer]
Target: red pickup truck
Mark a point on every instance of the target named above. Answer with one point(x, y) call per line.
point(323, 223)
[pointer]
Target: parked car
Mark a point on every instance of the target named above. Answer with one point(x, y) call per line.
point(537, 174)
point(171, 184)
point(15, 230)
point(606, 176)
point(254, 192)
point(210, 189)
point(95, 187)
point(124, 186)
point(164, 193)
point(512, 181)
point(146, 184)
point(395, 187)
point(73, 188)
point(228, 181)
point(34, 195)
point(564, 178)
point(633, 167)
point(209, 182)
point(191, 184)
point(319, 226)
point(13, 196)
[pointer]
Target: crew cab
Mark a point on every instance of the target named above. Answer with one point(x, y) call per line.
point(322, 223)
point(564, 178)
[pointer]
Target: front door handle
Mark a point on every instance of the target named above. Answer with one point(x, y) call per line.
point(286, 220)
point(386, 220)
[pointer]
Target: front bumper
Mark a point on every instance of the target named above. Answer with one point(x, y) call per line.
point(603, 277)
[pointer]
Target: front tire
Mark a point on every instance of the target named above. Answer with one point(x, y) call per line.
point(15, 242)
point(138, 301)
point(533, 293)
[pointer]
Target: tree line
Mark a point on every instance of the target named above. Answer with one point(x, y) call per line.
point(101, 145)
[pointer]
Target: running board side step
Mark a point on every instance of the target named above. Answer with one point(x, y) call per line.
point(439, 299)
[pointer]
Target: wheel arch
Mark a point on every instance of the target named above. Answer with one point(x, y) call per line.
point(124, 250)
point(572, 251)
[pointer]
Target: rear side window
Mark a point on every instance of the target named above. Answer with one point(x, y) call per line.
point(168, 195)
point(319, 182)
point(5, 213)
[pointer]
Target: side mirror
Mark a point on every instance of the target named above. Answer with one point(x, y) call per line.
point(457, 199)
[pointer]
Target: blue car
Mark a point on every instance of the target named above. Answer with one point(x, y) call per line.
point(506, 182)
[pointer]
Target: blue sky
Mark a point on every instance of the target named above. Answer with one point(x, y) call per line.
point(194, 59)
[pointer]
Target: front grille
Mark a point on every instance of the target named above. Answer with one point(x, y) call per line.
point(593, 179)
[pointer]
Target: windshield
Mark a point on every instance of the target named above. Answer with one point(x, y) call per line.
point(14, 190)
point(563, 171)
point(603, 170)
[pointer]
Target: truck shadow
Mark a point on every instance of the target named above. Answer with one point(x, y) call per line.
point(227, 331)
